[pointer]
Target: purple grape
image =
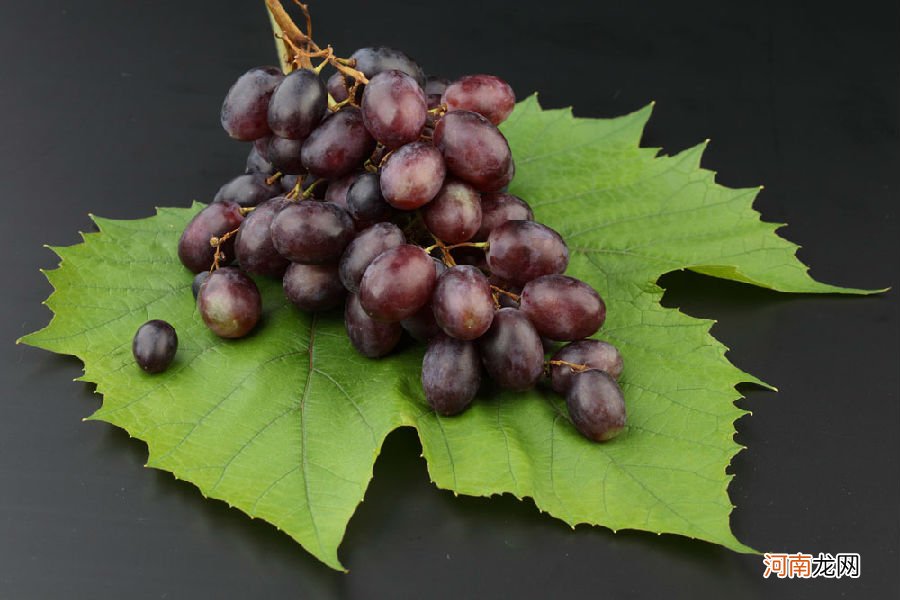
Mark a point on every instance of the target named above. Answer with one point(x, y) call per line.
point(474, 150)
point(247, 190)
point(421, 326)
point(498, 208)
point(412, 176)
point(436, 85)
point(596, 405)
point(365, 202)
point(337, 87)
point(520, 251)
point(511, 351)
point(454, 216)
point(154, 346)
point(297, 105)
point(397, 283)
point(261, 145)
point(215, 220)
point(312, 233)
point(372, 61)
point(253, 245)
point(486, 95)
point(337, 190)
point(247, 103)
point(284, 155)
point(257, 163)
point(434, 90)
point(462, 301)
point(364, 249)
point(370, 337)
point(592, 353)
point(229, 303)
point(313, 287)
point(199, 278)
point(338, 146)
point(563, 308)
point(451, 374)
point(394, 108)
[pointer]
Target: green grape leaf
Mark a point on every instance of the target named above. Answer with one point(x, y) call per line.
point(286, 424)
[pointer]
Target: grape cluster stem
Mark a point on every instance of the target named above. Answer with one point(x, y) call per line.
point(303, 48)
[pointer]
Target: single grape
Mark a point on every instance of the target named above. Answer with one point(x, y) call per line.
point(397, 283)
point(257, 163)
point(311, 232)
point(337, 87)
point(372, 61)
point(215, 220)
point(421, 326)
point(365, 202)
point(454, 216)
point(229, 303)
point(337, 190)
point(511, 351)
point(436, 85)
point(364, 249)
point(434, 91)
point(313, 287)
point(462, 301)
point(596, 405)
point(520, 251)
point(297, 105)
point(199, 278)
point(285, 155)
point(370, 337)
point(253, 245)
point(563, 308)
point(247, 190)
point(154, 346)
point(412, 176)
point(592, 353)
point(474, 149)
point(394, 108)
point(247, 103)
point(261, 145)
point(498, 208)
point(338, 146)
point(451, 374)
point(486, 95)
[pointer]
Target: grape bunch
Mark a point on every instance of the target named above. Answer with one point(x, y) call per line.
point(385, 191)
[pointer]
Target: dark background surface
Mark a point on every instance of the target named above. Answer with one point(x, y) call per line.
point(112, 108)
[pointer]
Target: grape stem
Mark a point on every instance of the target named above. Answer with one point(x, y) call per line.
point(445, 251)
point(484, 245)
point(270, 180)
point(499, 290)
point(303, 48)
point(384, 158)
point(246, 210)
point(308, 192)
point(216, 242)
point(575, 367)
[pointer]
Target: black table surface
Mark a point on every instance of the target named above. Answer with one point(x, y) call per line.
point(112, 108)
